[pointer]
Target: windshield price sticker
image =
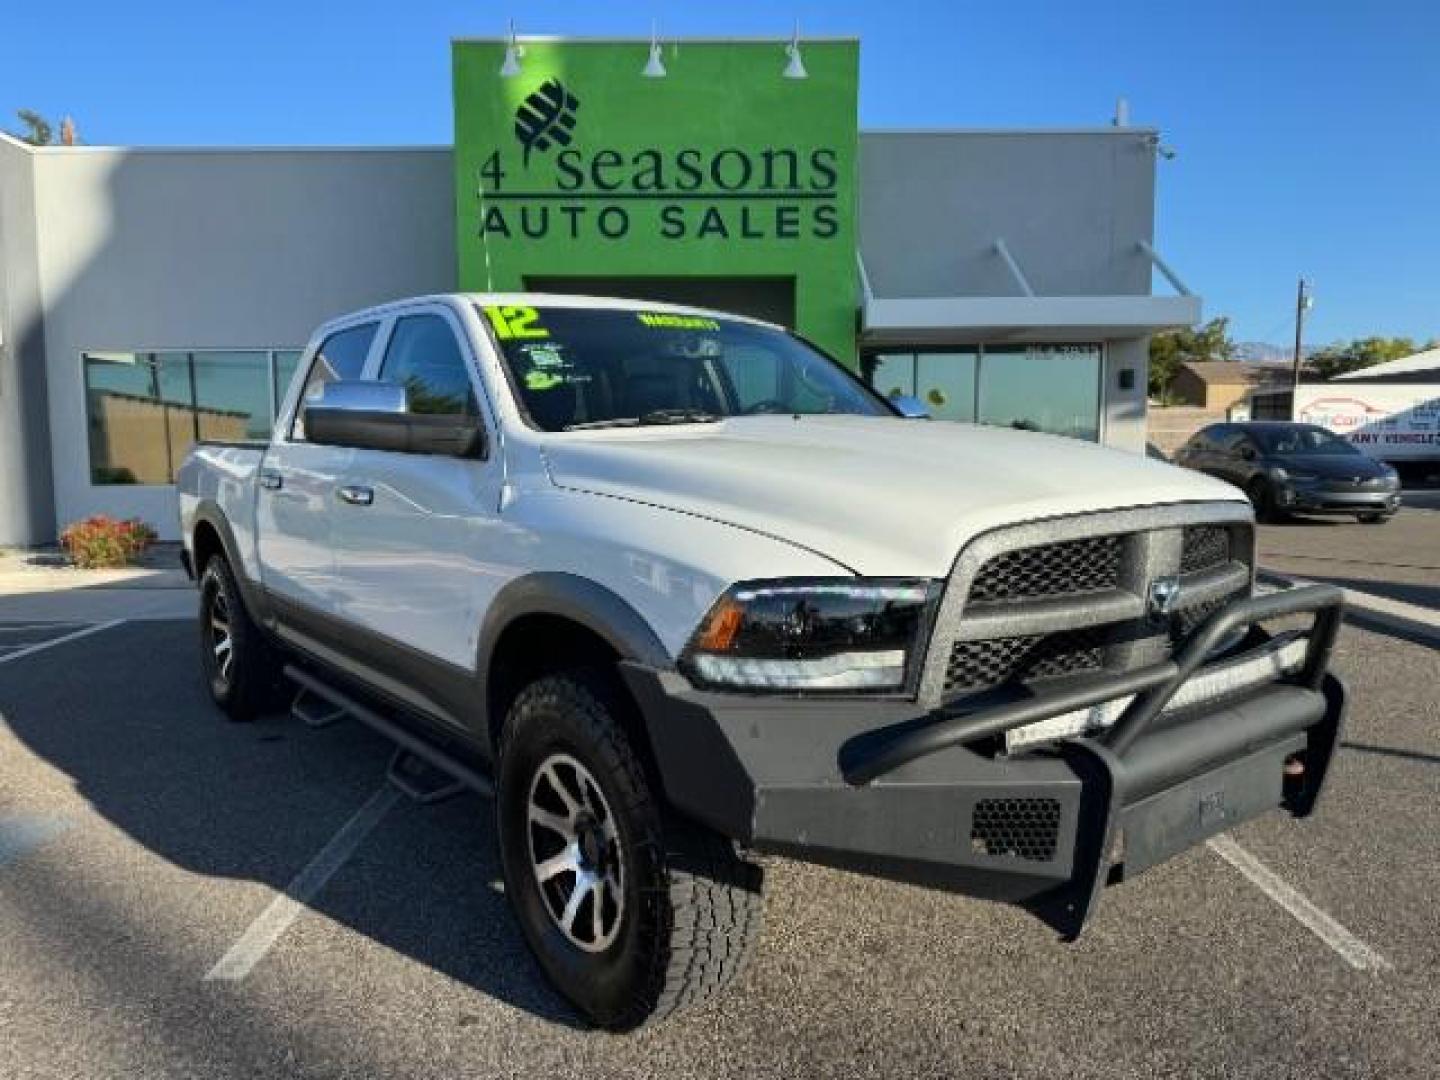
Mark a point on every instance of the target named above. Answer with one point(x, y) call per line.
point(513, 322)
point(661, 321)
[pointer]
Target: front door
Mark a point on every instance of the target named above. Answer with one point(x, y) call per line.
point(297, 485)
point(412, 531)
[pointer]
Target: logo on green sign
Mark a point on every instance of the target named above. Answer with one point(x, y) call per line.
point(545, 118)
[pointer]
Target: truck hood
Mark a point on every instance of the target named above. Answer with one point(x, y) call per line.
point(879, 495)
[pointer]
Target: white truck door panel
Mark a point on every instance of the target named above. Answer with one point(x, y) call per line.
point(297, 482)
point(411, 547)
point(293, 520)
point(410, 564)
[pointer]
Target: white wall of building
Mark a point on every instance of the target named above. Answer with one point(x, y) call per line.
point(190, 249)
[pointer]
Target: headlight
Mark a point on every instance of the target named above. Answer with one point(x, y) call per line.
point(1293, 477)
point(797, 634)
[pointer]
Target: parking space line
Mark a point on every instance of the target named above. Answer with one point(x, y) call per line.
point(1346, 945)
point(262, 934)
point(37, 647)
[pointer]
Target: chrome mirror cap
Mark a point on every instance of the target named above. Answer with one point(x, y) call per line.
point(361, 395)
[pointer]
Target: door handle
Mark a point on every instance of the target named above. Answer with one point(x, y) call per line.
point(271, 480)
point(355, 495)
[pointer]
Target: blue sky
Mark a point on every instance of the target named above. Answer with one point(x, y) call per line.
point(1307, 134)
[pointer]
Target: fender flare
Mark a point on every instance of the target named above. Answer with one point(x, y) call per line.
point(581, 600)
point(208, 512)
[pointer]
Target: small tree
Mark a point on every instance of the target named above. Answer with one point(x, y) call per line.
point(38, 131)
point(1210, 341)
point(1345, 356)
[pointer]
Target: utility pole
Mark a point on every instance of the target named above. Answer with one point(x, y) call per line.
point(1302, 304)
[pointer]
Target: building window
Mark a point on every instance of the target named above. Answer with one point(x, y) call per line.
point(144, 410)
point(1054, 388)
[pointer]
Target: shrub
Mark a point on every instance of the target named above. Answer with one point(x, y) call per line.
point(103, 542)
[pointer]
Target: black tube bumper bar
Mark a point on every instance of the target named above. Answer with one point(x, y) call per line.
point(870, 786)
point(1154, 686)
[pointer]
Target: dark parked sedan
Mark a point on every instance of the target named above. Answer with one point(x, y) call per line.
point(1295, 468)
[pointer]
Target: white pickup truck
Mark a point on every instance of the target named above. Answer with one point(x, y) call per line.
point(678, 589)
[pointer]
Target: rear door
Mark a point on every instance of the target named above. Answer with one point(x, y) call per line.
point(416, 534)
point(298, 481)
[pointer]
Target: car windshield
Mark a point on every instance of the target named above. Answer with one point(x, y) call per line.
point(1303, 440)
point(577, 368)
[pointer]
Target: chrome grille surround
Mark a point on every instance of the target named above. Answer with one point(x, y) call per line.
point(980, 643)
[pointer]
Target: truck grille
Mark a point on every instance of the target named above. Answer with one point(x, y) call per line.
point(1091, 564)
point(1204, 547)
point(979, 665)
point(1072, 597)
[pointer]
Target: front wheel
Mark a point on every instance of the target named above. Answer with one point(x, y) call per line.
point(632, 912)
point(1374, 519)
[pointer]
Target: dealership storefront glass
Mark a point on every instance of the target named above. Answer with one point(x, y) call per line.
point(145, 409)
point(997, 384)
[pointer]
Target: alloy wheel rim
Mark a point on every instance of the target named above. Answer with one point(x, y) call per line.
point(222, 643)
point(575, 853)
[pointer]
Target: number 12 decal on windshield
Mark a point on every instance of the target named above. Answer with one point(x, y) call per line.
point(512, 322)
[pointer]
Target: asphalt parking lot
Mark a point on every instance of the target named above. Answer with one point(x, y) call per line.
point(143, 841)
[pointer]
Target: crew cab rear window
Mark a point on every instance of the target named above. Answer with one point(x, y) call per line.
point(340, 356)
point(577, 367)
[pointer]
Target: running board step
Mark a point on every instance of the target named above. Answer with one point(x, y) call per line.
point(410, 744)
point(314, 711)
point(421, 781)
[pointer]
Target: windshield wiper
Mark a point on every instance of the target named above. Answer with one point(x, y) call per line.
point(619, 421)
point(654, 417)
point(679, 416)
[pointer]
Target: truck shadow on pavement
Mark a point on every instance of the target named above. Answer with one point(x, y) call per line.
point(124, 715)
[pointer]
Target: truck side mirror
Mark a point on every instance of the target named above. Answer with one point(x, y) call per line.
point(911, 408)
point(375, 416)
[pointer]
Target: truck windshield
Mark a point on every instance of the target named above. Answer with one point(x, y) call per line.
point(576, 368)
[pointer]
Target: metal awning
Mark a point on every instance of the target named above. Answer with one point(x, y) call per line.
point(1024, 317)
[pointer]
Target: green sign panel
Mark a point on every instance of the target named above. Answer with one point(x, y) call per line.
point(581, 168)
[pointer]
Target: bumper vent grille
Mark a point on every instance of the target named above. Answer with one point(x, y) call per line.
point(1091, 564)
point(1026, 829)
point(1204, 547)
point(979, 665)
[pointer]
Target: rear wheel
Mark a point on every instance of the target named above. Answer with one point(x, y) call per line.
point(240, 667)
point(632, 912)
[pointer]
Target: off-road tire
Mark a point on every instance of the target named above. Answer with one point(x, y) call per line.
point(692, 906)
point(252, 685)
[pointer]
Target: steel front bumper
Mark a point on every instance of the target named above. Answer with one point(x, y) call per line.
point(870, 786)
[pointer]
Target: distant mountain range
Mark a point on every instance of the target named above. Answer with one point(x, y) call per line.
point(1263, 352)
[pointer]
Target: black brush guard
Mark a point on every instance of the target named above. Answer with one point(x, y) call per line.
point(1139, 776)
